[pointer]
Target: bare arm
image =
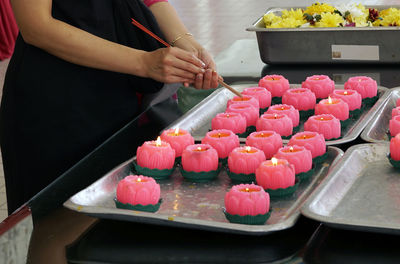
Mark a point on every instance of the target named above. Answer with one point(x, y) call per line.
point(72, 44)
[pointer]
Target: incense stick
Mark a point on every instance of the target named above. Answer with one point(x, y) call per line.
point(136, 23)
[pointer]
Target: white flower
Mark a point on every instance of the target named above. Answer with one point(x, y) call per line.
point(354, 9)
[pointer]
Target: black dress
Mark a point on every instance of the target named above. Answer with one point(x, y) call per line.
point(53, 112)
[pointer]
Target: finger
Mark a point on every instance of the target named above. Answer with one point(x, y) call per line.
point(198, 83)
point(207, 79)
point(181, 73)
point(214, 79)
point(188, 57)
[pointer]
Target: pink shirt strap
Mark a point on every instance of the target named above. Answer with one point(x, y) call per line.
point(151, 2)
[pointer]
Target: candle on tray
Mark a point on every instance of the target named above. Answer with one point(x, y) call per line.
point(326, 124)
point(288, 110)
point(179, 139)
point(244, 99)
point(199, 158)
point(222, 140)
point(312, 141)
point(334, 106)
point(234, 122)
point(276, 84)
point(275, 173)
point(245, 160)
point(351, 97)
point(364, 85)
point(300, 98)
point(299, 156)
point(155, 155)
point(394, 126)
point(138, 189)
point(395, 111)
point(280, 123)
point(395, 148)
point(247, 110)
point(247, 199)
point(267, 141)
point(261, 94)
point(320, 85)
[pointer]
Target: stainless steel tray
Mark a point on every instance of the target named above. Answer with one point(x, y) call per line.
point(194, 205)
point(327, 45)
point(198, 120)
point(377, 130)
point(361, 192)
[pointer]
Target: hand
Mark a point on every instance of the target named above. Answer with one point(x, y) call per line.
point(209, 79)
point(171, 65)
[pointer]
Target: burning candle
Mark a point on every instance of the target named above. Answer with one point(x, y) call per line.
point(275, 173)
point(261, 94)
point(276, 84)
point(300, 98)
point(299, 156)
point(267, 141)
point(326, 124)
point(244, 99)
point(247, 199)
point(280, 123)
point(351, 97)
point(222, 140)
point(334, 106)
point(245, 160)
point(395, 111)
point(247, 110)
point(288, 110)
point(364, 85)
point(179, 139)
point(312, 141)
point(320, 85)
point(234, 122)
point(155, 155)
point(395, 148)
point(200, 158)
point(394, 126)
point(134, 190)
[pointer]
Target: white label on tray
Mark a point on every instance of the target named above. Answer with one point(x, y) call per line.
point(355, 52)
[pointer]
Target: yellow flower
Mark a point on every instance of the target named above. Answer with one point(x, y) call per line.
point(289, 22)
point(296, 14)
point(330, 20)
point(270, 19)
point(390, 17)
point(319, 8)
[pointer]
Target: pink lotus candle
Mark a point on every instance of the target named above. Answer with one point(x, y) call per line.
point(288, 110)
point(247, 110)
point(326, 124)
point(395, 147)
point(394, 126)
point(275, 173)
point(179, 139)
point(245, 160)
point(244, 99)
point(300, 98)
point(395, 111)
point(247, 199)
point(312, 141)
point(364, 85)
point(299, 156)
point(320, 85)
point(351, 97)
point(200, 158)
point(155, 155)
point(267, 141)
point(234, 122)
point(222, 140)
point(261, 94)
point(134, 189)
point(276, 84)
point(334, 106)
point(280, 123)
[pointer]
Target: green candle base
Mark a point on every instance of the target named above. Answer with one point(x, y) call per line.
point(248, 219)
point(263, 110)
point(395, 163)
point(154, 173)
point(305, 176)
point(276, 100)
point(320, 158)
point(241, 177)
point(345, 123)
point(151, 208)
point(355, 114)
point(305, 114)
point(283, 192)
point(204, 176)
point(369, 101)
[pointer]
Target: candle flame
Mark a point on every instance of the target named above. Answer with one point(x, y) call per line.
point(248, 148)
point(158, 142)
point(274, 161)
point(359, 80)
point(329, 100)
point(177, 131)
point(282, 108)
point(199, 148)
point(275, 116)
point(227, 115)
point(304, 136)
point(247, 189)
point(139, 180)
point(291, 149)
point(322, 118)
point(345, 93)
point(219, 135)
